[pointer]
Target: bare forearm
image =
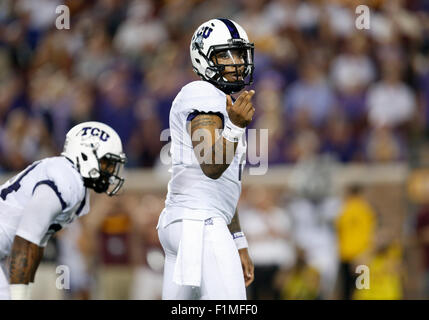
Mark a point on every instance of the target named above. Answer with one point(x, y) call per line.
point(24, 261)
point(223, 152)
point(234, 226)
point(37, 263)
point(246, 261)
point(213, 151)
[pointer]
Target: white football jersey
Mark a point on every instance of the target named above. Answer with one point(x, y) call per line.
point(191, 194)
point(60, 175)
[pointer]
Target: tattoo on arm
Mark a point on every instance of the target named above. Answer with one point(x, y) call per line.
point(212, 165)
point(39, 257)
point(202, 121)
point(24, 261)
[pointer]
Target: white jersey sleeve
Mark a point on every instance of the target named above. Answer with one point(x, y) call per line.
point(67, 183)
point(20, 201)
point(57, 196)
point(39, 213)
point(201, 96)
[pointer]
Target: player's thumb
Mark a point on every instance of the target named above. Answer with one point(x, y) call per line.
point(228, 102)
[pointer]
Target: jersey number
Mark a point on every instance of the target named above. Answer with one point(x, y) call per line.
point(16, 185)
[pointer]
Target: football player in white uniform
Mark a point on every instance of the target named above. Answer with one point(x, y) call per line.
point(206, 252)
point(50, 194)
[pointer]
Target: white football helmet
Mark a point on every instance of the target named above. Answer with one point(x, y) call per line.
point(218, 35)
point(96, 151)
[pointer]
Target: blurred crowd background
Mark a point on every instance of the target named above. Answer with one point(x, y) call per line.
point(329, 94)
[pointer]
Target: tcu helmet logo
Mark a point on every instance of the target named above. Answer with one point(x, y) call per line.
point(204, 33)
point(103, 135)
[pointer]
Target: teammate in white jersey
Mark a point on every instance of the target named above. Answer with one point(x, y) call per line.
point(206, 252)
point(50, 194)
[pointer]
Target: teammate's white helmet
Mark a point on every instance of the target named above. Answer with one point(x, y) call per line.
point(218, 35)
point(96, 151)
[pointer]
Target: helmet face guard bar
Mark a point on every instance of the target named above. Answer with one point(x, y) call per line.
point(215, 70)
point(119, 183)
point(115, 180)
point(103, 180)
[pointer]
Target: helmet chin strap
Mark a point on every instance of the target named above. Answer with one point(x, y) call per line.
point(229, 88)
point(226, 86)
point(99, 185)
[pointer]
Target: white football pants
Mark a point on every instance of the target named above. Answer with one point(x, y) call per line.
point(221, 272)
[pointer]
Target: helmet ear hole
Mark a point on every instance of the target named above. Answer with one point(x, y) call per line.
point(84, 156)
